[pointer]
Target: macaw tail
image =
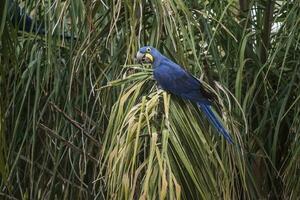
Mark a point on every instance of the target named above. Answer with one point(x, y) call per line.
point(215, 121)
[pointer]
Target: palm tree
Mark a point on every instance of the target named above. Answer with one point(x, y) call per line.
point(79, 118)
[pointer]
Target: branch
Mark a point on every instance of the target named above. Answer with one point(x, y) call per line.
point(266, 32)
point(76, 124)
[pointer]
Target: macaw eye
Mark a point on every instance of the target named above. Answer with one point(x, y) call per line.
point(148, 49)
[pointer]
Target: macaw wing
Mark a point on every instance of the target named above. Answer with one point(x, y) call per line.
point(183, 84)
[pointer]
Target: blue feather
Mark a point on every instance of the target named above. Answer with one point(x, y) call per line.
point(215, 121)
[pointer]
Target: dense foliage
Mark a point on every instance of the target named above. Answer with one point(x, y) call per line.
point(80, 119)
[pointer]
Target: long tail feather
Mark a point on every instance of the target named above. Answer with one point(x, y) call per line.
point(215, 121)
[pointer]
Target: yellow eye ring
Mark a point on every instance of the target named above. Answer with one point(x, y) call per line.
point(148, 49)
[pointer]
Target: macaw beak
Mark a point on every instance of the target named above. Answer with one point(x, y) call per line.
point(144, 58)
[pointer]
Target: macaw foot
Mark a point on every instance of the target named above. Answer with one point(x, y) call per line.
point(159, 87)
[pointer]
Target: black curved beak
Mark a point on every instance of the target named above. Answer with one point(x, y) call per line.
point(140, 57)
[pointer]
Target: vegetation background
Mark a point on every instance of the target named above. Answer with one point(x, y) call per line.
point(79, 119)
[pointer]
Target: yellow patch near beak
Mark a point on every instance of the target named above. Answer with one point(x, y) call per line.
point(149, 57)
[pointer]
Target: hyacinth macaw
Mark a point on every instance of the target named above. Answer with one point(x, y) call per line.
point(21, 20)
point(24, 22)
point(174, 79)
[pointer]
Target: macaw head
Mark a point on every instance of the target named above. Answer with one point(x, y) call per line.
point(148, 54)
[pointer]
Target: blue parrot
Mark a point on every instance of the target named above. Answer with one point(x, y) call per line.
point(174, 79)
point(20, 19)
point(24, 22)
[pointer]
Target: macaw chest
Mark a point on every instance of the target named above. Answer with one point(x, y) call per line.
point(165, 78)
